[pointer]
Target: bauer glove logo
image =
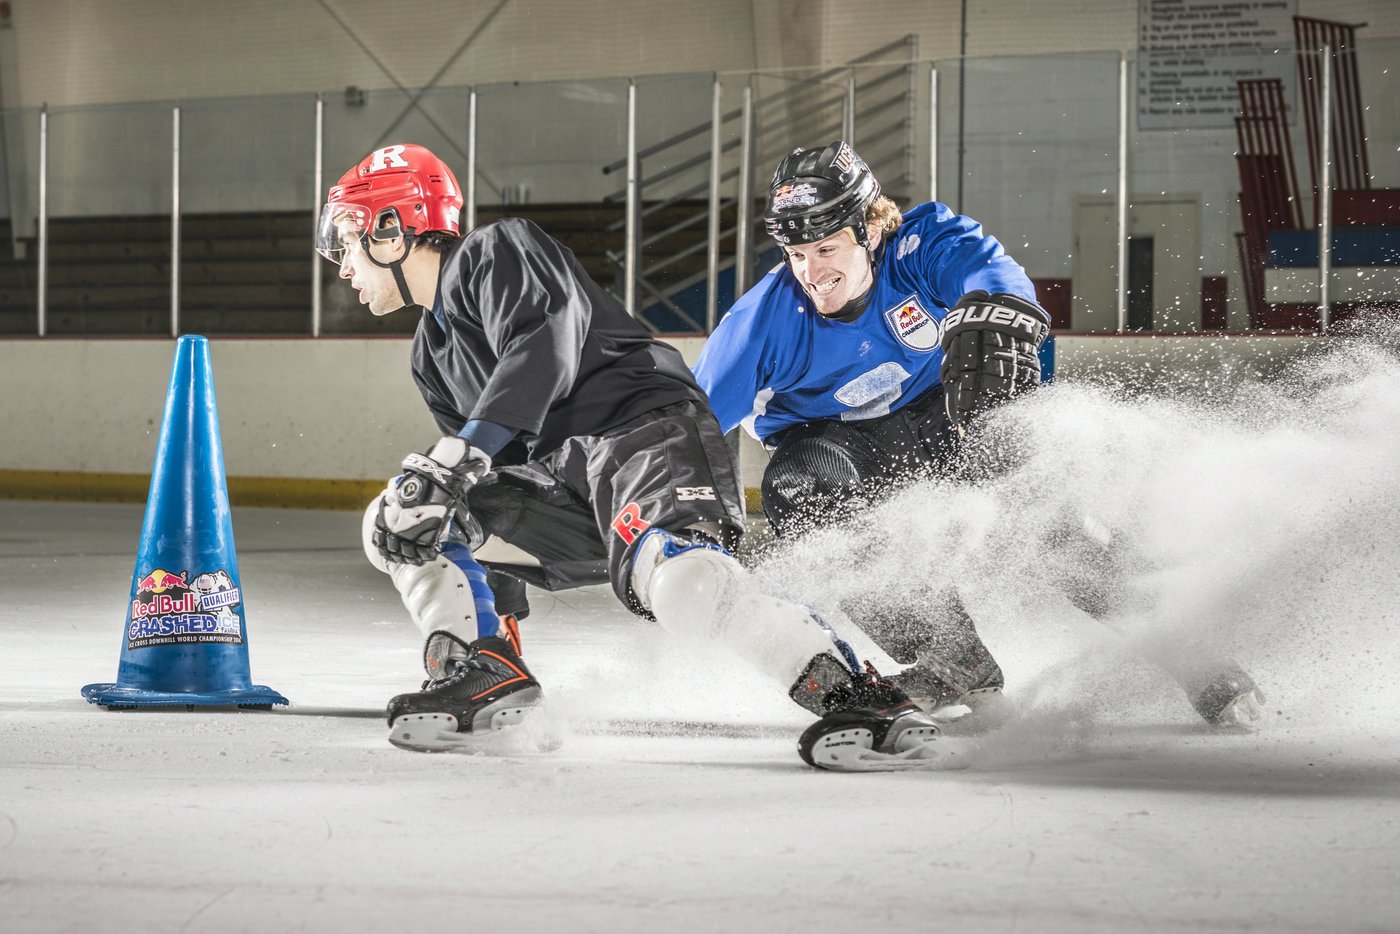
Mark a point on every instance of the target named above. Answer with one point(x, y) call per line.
point(1008, 318)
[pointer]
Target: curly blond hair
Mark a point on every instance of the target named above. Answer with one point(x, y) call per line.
point(883, 215)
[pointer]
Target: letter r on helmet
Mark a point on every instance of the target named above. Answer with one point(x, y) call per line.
point(386, 157)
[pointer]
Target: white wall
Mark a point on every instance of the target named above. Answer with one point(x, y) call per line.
point(75, 52)
point(78, 52)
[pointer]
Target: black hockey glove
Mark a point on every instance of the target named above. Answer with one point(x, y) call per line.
point(989, 353)
point(416, 512)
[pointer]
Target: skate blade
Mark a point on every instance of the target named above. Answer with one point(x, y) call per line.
point(437, 732)
point(917, 748)
point(976, 713)
point(1241, 715)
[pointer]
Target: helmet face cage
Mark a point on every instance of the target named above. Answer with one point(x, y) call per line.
point(404, 182)
point(818, 192)
point(345, 224)
point(342, 225)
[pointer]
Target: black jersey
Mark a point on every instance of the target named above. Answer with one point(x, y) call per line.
point(519, 335)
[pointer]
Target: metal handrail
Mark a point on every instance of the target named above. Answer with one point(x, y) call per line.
point(690, 163)
point(669, 171)
point(867, 58)
point(661, 298)
point(675, 228)
point(693, 248)
point(762, 118)
point(677, 198)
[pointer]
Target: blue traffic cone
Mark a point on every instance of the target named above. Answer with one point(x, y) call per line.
point(186, 639)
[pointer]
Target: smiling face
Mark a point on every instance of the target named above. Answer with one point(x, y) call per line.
point(832, 271)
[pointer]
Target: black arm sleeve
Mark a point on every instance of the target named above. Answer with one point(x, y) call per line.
point(535, 318)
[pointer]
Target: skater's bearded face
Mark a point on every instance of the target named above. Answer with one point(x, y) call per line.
point(832, 271)
point(375, 284)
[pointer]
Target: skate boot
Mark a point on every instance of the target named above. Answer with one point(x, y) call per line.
point(489, 690)
point(951, 671)
point(934, 685)
point(1227, 698)
point(869, 725)
point(963, 699)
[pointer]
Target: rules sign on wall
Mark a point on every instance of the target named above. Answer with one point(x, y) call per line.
point(1193, 53)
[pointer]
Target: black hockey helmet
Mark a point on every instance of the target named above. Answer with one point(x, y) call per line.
point(816, 192)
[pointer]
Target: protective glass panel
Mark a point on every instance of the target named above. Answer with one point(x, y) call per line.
point(109, 188)
point(541, 153)
point(1028, 147)
point(673, 142)
point(19, 204)
point(792, 109)
point(246, 215)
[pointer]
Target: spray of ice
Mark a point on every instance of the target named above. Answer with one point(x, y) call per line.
point(1262, 521)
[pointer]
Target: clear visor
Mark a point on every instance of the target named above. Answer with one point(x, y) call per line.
point(342, 225)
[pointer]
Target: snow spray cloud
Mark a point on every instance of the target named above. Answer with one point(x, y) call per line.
point(1255, 518)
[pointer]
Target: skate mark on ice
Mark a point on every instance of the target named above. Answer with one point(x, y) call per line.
point(352, 713)
point(205, 907)
point(9, 830)
point(684, 728)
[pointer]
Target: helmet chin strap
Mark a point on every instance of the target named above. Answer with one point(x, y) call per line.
point(854, 308)
point(394, 266)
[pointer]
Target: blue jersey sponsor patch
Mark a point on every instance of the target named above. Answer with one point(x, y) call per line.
point(912, 326)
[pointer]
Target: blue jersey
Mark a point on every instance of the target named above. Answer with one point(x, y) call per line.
point(774, 362)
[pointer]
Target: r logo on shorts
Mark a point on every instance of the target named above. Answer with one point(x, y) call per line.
point(629, 523)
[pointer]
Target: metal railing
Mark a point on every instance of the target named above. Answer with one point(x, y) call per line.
point(667, 231)
point(180, 240)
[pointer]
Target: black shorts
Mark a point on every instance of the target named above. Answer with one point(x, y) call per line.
point(827, 471)
point(580, 509)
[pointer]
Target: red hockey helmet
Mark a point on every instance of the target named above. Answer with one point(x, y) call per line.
point(400, 189)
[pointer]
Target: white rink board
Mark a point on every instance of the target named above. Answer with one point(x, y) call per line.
point(346, 408)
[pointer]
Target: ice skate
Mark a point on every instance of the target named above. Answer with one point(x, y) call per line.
point(489, 690)
point(961, 702)
point(1229, 698)
point(872, 726)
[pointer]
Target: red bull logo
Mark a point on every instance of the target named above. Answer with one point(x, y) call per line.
point(912, 325)
point(159, 581)
point(787, 196)
point(164, 603)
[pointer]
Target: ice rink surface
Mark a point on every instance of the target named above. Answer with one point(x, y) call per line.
point(675, 800)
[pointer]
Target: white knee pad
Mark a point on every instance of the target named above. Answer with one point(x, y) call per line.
point(437, 594)
point(704, 593)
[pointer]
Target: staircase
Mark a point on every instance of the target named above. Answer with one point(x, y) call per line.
point(868, 101)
